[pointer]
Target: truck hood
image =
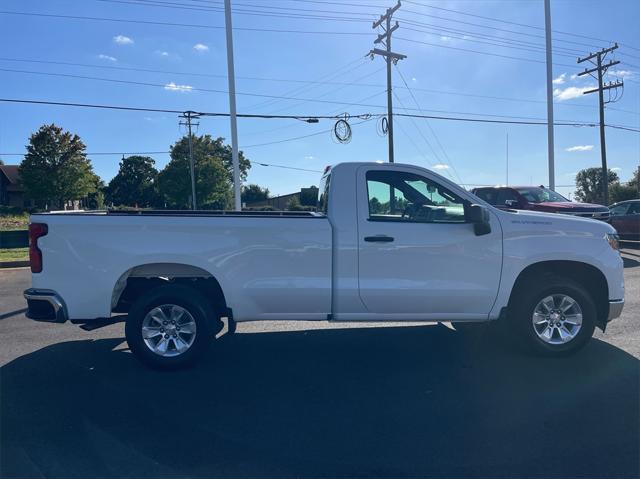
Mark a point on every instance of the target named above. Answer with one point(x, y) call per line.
point(555, 221)
point(571, 206)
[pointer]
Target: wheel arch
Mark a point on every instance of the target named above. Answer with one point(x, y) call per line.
point(587, 275)
point(140, 279)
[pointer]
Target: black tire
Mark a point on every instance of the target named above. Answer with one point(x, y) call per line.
point(206, 320)
point(523, 305)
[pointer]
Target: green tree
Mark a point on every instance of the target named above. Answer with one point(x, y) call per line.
point(213, 182)
point(55, 168)
point(626, 191)
point(1, 162)
point(207, 146)
point(294, 204)
point(253, 193)
point(589, 184)
point(135, 183)
point(95, 199)
point(620, 192)
point(309, 196)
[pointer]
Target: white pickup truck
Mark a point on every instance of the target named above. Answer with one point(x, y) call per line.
point(391, 242)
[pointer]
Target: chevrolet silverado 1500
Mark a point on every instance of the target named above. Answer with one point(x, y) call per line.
point(390, 242)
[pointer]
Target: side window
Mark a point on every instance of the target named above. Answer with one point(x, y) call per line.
point(634, 209)
point(619, 210)
point(323, 194)
point(506, 194)
point(490, 195)
point(407, 197)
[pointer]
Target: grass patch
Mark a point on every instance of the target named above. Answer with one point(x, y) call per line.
point(14, 222)
point(14, 254)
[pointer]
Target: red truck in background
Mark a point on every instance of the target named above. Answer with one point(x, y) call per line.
point(538, 198)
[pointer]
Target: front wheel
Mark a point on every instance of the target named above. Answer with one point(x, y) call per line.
point(554, 316)
point(170, 326)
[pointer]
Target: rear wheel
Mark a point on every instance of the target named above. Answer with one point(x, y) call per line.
point(170, 326)
point(554, 315)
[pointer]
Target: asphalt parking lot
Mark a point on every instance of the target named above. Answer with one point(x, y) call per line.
point(314, 400)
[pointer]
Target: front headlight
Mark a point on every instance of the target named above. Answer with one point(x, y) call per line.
point(613, 240)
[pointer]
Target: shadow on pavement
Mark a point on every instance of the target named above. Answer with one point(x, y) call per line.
point(13, 313)
point(630, 262)
point(381, 402)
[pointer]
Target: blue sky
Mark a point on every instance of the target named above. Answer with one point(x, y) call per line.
point(324, 72)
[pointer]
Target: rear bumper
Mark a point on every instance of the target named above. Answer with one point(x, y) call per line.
point(45, 305)
point(615, 309)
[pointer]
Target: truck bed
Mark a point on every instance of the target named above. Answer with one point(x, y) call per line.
point(199, 213)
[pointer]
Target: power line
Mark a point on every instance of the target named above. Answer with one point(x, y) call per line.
point(483, 53)
point(173, 86)
point(509, 22)
point(286, 140)
point(174, 24)
point(324, 80)
point(106, 153)
point(140, 153)
point(209, 90)
point(285, 167)
point(363, 116)
point(444, 152)
point(240, 11)
point(343, 70)
point(159, 110)
point(311, 14)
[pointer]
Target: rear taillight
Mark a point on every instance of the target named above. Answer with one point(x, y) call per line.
point(36, 230)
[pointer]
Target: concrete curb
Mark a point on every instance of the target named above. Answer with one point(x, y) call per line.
point(14, 264)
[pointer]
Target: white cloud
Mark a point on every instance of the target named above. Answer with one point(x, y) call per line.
point(163, 54)
point(444, 38)
point(201, 47)
point(620, 73)
point(580, 148)
point(560, 80)
point(616, 169)
point(440, 166)
point(174, 87)
point(122, 40)
point(414, 79)
point(574, 76)
point(102, 56)
point(570, 93)
point(309, 157)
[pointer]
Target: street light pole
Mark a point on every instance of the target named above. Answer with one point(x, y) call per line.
point(232, 106)
point(550, 138)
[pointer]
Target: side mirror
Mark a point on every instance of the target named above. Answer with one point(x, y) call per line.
point(479, 216)
point(511, 203)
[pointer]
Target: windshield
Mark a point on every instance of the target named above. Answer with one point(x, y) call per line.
point(541, 195)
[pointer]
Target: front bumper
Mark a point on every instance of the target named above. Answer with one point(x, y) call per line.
point(615, 309)
point(45, 305)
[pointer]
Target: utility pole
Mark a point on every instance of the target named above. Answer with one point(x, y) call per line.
point(232, 106)
point(390, 57)
point(601, 69)
point(189, 116)
point(550, 133)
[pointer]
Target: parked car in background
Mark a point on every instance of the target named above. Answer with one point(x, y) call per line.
point(625, 218)
point(538, 198)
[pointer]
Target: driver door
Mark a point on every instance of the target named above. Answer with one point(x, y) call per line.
point(419, 257)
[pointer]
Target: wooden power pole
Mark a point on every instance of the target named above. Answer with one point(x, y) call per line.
point(600, 68)
point(189, 116)
point(390, 57)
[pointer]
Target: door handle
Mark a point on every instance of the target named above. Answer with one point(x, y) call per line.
point(379, 239)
